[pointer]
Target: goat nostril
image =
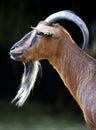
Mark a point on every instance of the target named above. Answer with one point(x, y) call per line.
point(12, 48)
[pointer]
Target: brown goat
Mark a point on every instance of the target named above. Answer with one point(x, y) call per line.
point(77, 69)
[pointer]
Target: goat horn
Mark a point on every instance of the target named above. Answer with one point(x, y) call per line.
point(71, 16)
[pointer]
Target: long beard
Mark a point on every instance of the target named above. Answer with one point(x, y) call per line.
point(29, 77)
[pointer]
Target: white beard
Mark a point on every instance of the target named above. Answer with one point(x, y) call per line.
point(28, 80)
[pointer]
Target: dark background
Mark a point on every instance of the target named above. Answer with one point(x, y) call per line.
point(16, 18)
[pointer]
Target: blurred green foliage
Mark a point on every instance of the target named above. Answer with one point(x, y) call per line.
point(37, 117)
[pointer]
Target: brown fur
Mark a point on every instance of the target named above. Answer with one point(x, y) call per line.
point(76, 68)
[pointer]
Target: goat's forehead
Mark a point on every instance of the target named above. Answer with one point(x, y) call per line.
point(46, 29)
point(42, 25)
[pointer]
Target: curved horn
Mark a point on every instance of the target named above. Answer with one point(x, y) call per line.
point(69, 15)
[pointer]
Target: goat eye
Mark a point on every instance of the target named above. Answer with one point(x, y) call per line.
point(40, 33)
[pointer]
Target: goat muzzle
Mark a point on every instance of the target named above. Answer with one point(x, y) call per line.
point(18, 50)
point(15, 54)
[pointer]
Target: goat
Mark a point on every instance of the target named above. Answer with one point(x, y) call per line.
point(49, 40)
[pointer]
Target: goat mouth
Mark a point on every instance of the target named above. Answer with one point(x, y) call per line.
point(15, 56)
point(17, 53)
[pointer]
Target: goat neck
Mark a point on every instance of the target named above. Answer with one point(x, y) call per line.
point(77, 69)
point(73, 64)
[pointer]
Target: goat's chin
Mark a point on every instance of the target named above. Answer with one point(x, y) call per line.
point(28, 80)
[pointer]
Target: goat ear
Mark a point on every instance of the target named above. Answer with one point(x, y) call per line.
point(50, 31)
